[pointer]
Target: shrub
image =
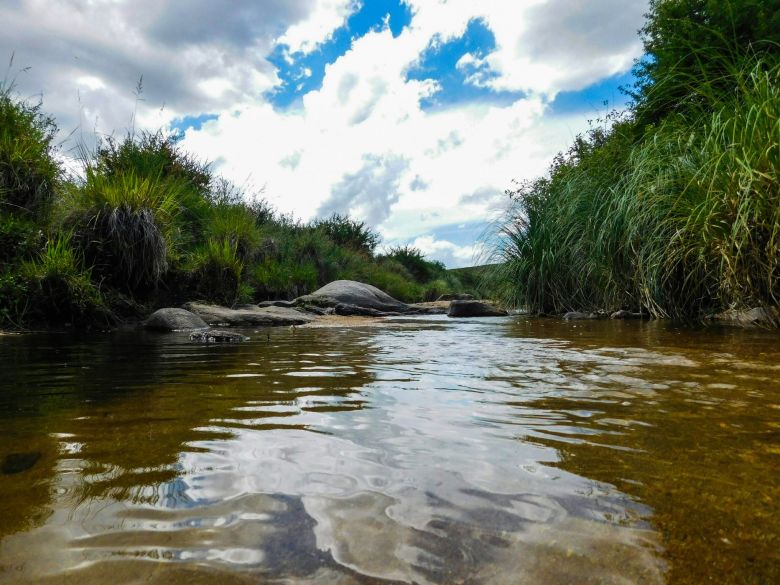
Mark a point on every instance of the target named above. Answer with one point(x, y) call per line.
point(60, 289)
point(216, 270)
point(414, 261)
point(344, 231)
point(29, 172)
point(20, 238)
point(127, 226)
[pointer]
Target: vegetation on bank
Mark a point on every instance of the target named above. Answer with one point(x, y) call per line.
point(146, 224)
point(671, 208)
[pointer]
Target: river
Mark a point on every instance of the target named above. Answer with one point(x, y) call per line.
point(503, 451)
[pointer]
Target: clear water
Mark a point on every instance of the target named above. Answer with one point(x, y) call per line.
point(506, 450)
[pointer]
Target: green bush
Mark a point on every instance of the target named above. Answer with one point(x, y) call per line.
point(216, 270)
point(60, 289)
point(345, 231)
point(29, 173)
point(127, 225)
point(20, 238)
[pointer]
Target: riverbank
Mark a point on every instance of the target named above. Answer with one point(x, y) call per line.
point(672, 207)
point(145, 225)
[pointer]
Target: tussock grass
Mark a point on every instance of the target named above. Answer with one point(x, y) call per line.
point(681, 222)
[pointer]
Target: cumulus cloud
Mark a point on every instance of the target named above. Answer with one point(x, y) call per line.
point(362, 142)
point(447, 252)
point(370, 193)
point(85, 57)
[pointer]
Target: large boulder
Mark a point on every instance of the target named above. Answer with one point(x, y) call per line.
point(248, 317)
point(474, 309)
point(357, 294)
point(172, 319)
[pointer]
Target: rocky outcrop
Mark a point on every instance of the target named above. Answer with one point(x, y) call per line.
point(248, 317)
point(474, 309)
point(356, 294)
point(172, 319)
point(216, 336)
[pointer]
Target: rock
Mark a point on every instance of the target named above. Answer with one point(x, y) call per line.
point(755, 316)
point(429, 308)
point(474, 309)
point(622, 314)
point(288, 304)
point(268, 316)
point(173, 319)
point(577, 316)
point(216, 336)
point(19, 462)
point(354, 310)
point(456, 297)
point(358, 294)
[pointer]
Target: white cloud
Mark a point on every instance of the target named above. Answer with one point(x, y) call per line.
point(323, 19)
point(447, 252)
point(361, 142)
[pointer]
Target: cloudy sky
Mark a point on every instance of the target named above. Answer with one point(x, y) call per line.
point(412, 115)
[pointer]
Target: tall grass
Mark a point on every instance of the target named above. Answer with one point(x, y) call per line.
point(29, 172)
point(682, 221)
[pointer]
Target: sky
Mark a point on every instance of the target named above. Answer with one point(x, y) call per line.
point(413, 116)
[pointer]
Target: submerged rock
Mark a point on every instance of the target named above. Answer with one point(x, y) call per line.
point(172, 319)
point(19, 462)
point(216, 336)
point(474, 309)
point(357, 294)
point(268, 316)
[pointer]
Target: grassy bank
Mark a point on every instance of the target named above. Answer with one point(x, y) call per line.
point(145, 225)
point(673, 207)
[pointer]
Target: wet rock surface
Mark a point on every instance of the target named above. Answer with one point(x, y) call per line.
point(474, 309)
point(173, 319)
point(356, 294)
point(217, 336)
point(216, 315)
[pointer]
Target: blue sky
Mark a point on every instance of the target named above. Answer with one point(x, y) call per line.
point(413, 115)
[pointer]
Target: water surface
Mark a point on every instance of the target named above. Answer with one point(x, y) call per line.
point(505, 450)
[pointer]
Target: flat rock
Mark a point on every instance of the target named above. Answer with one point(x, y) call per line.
point(173, 319)
point(288, 304)
point(345, 309)
point(247, 317)
point(474, 309)
point(216, 336)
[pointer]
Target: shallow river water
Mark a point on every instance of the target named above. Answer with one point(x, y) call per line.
point(507, 451)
